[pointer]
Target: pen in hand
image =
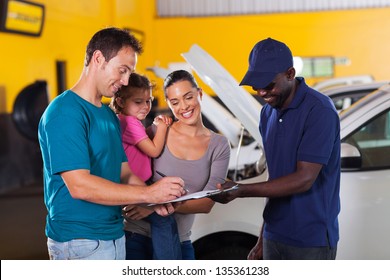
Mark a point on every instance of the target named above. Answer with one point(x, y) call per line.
point(163, 175)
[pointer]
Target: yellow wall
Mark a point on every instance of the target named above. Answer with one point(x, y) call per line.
point(360, 35)
point(67, 28)
point(138, 15)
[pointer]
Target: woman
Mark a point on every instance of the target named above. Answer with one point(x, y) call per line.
point(194, 153)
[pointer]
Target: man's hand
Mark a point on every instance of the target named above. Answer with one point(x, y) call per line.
point(257, 252)
point(165, 189)
point(226, 197)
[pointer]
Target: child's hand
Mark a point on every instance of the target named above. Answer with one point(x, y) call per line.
point(162, 119)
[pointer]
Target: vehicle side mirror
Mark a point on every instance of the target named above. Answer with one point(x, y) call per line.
point(350, 157)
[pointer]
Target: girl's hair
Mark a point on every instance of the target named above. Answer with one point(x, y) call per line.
point(136, 81)
point(176, 76)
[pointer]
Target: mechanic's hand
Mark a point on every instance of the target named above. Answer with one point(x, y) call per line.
point(226, 197)
point(257, 252)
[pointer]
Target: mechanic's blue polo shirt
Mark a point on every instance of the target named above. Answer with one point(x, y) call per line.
point(308, 130)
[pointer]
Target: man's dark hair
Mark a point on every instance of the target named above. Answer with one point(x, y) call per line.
point(110, 41)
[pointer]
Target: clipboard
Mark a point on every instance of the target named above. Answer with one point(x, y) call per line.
point(201, 194)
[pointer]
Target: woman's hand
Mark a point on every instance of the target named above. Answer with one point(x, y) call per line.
point(135, 212)
point(167, 208)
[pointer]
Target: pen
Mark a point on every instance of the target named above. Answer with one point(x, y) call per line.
point(163, 175)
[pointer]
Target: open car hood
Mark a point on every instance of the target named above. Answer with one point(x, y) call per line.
point(240, 102)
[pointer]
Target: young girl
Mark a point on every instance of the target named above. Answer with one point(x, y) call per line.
point(133, 103)
point(192, 152)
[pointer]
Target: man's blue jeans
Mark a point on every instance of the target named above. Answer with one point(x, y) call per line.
point(273, 250)
point(87, 249)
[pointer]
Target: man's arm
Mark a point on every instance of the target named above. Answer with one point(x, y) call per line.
point(257, 252)
point(85, 186)
point(299, 181)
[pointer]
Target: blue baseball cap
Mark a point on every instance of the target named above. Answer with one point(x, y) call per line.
point(267, 59)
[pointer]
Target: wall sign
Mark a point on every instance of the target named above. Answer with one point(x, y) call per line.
point(22, 17)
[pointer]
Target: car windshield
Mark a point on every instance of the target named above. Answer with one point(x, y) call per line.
point(344, 96)
point(378, 94)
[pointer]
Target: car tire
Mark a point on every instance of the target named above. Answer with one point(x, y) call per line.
point(28, 108)
point(227, 253)
point(228, 245)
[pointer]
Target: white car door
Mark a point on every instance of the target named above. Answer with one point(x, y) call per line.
point(365, 189)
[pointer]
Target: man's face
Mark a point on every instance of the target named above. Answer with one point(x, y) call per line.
point(115, 73)
point(277, 93)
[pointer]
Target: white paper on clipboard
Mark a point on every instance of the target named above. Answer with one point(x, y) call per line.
point(200, 194)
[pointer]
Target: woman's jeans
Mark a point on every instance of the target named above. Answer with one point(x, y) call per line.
point(87, 249)
point(140, 247)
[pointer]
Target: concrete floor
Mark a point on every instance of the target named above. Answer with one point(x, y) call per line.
point(22, 217)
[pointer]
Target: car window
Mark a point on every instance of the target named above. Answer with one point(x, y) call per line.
point(373, 142)
point(343, 100)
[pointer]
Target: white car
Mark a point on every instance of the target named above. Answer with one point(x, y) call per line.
point(231, 230)
point(344, 96)
point(365, 177)
point(342, 81)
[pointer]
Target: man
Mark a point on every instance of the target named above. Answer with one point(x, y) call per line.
point(86, 175)
point(301, 135)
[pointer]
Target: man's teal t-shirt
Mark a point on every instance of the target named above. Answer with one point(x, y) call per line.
point(75, 134)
